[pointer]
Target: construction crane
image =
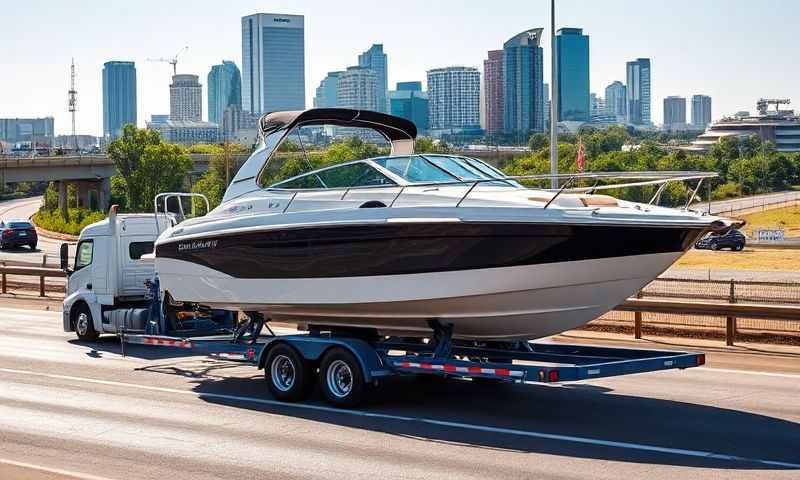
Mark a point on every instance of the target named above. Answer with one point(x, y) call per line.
point(172, 61)
point(764, 103)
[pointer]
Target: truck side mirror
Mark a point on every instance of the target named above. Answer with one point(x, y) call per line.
point(64, 257)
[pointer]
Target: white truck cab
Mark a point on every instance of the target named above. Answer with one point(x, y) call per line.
point(109, 271)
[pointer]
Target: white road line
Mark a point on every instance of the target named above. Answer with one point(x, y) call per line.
point(57, 471)
point(746, 372)
point(463, 426)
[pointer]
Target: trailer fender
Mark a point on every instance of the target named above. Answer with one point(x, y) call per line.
point(313, 348)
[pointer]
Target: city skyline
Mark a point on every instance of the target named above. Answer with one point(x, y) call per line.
point(735, 78)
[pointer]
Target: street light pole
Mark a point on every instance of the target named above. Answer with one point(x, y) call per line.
point(553, 99)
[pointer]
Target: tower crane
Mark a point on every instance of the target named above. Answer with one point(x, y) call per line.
point(172, 61)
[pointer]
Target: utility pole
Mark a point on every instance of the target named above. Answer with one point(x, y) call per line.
point(553, 99)
point(73, 103)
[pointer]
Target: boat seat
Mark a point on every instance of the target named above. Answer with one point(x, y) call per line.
point(599, 201)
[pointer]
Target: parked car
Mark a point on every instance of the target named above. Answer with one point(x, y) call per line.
point(15, 233)
point(733, 239)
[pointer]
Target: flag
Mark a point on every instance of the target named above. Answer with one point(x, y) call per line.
point(581, 159)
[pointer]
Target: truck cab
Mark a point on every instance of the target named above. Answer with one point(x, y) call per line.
point(110, 271)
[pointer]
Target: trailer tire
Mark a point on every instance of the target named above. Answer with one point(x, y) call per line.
point(341, 378)
point(287, 374)
point(84, 323)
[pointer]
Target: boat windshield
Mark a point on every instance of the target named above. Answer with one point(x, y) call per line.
point(442, 168)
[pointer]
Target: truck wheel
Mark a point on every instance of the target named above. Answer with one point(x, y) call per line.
point(341, 378)
point(84, 324)
point(287, 374)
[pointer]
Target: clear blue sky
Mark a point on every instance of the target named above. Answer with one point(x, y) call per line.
point(733, 50)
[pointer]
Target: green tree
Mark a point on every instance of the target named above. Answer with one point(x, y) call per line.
point(126, 152)
point(162, 168)
point(538, 141)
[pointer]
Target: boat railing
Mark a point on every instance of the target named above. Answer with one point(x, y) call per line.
point(635, 179)
point(170, 205)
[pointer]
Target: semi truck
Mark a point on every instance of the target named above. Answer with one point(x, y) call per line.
point(113, 288)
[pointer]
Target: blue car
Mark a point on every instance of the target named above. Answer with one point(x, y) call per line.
point(15, 233)
point(733, 239)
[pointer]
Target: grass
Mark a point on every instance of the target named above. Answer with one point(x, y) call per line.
point(77, 218)
point(748, 259)
point(786, 218)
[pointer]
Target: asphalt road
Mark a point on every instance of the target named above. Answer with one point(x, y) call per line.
point(24, 208)
point(70, 408)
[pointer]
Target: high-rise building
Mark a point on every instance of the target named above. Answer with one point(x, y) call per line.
point(326, 92)
point(616, 100)
point(523, 94)
point(597, 106)
point(638, 91)
point(493, 86)
point(186, 98)
point(35, 130)
point(701, 111)
point(376, 60)
point(572, 48)
point(547, 105)
point(224, 90)
point(357, 88)
point(273, 63)
point(119, 97)
point(411, 103)
point(454, 99)
point(674, 113)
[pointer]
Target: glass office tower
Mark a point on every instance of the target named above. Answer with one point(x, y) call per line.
point(572, 48)
point(119, 97)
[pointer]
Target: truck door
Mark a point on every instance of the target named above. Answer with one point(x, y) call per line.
point(135, 271)
point(81, 277)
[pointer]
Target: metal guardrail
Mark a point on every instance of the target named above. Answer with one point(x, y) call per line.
point(41, 272)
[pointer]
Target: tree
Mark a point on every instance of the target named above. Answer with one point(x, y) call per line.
point(538, 141)
point(126, 152)
point(162, 168)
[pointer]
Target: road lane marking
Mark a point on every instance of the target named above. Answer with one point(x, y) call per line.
point(428, 421)
point(746, 372)
point(56, 471)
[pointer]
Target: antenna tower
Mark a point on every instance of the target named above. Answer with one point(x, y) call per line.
point(73, 102)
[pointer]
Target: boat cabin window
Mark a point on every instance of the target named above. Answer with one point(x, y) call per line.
point(415, 169)
point(458, 167)
point(342, 176)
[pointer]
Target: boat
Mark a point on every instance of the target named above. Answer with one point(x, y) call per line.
point(400, 243)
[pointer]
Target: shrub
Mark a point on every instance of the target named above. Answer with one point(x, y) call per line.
point(77, 218)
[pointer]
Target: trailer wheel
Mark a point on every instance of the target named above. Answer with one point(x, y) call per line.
point(341, 379)
point(287, 374)
point(84, 324)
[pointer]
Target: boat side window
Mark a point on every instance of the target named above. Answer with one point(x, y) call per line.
point(353, 175)
point(85, 254)
point(300, 183)
point(457, 168)
point(415, 169)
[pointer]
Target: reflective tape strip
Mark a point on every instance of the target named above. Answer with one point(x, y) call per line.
point(164, 342)
point(470, 370)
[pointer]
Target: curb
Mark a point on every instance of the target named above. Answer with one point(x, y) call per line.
point(53, 235)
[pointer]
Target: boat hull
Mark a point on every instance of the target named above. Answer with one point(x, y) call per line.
point(514, 302)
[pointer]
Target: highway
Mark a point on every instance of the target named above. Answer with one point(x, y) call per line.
point(68, 408)
point(24, 208)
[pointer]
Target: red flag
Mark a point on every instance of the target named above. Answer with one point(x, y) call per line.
point(581, 159)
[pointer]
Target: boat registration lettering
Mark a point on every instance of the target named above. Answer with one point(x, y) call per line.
point(197, 245)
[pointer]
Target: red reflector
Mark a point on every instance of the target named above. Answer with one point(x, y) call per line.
point(425, 365)
point(474, 369)
point(701, 359)
point(449, 368)
point(552, 376)
point(502, 372)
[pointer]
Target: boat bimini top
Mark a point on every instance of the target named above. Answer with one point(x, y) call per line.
point(275, 127)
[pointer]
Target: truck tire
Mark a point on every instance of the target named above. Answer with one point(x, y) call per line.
point(341, 379)
point(84, 324)
point(287, 374)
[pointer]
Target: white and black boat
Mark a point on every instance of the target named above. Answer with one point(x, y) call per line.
point(395, 242)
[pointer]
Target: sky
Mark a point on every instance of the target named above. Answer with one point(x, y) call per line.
point(733, 50)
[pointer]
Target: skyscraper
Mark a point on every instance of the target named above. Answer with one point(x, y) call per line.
point(326, 92)
point(35, 130)
point(357, 88)
point(186, 98)
point(454, 98)
point(572, 48)
point(411, 103)
point(638, 91)
point(224, 90)
point(376, 60)
point(616, 100)
point(523, 94)
point(701, 111)
point(119, 97)
point(493, 91)
point(273, 63)
point(597, 110)
point(674, 113)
